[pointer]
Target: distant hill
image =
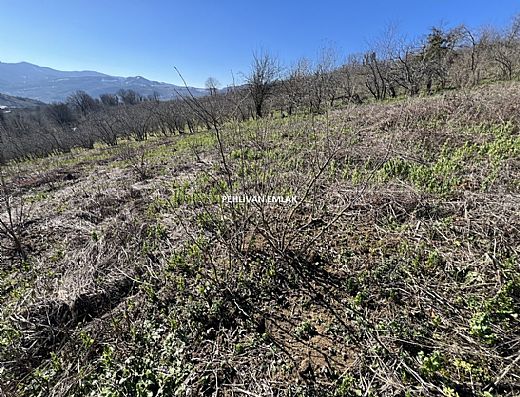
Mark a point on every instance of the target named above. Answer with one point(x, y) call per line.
point(11, 102)
point(49, 85)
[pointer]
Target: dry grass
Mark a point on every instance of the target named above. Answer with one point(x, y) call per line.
point(396, 272)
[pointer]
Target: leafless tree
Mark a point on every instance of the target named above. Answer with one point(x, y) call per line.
point(137, 121)
point(3, 138)
point(348, 79)
point(324, 88)
point(109, 99)
point(505, 49)
point(264, 73)
point(295, 85)
point(104, 126)
point(82, 103)
point(61, 114)
point(378, 62)
point(471, 52)
point(406, 69)
point(212, 85)
point(375, 78)
point(129, 97)
point(12, 219)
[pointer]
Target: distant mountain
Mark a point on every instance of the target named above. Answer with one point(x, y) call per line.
point(8, 102)
point(49, 85)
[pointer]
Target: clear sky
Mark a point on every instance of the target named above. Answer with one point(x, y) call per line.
point(213, 38)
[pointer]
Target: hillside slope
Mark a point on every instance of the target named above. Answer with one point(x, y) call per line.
point(396, 273)
point(11, 102)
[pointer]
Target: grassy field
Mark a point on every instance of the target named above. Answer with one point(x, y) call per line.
point(395, 274)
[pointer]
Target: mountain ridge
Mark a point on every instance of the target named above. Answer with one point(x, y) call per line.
point(45, 84)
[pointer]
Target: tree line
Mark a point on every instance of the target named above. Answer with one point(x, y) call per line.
point(393, 66)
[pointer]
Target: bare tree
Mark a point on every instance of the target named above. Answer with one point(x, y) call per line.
point(378, 62)
point(137, 121)
point(472, 48)
point(11, 225)
point(3, 138)
point(264, 73)
point(295, 85)
point(82, 102)
point(346, 78)
point(375, 78)
point(129, 97)
point(60, 113)
point(212, 85)
point(104, 126)
point(325, 80)
point(505, 49)
point(154, 97)
point(109, 99)
point(406, 69)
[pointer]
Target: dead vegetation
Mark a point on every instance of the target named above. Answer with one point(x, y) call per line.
point(395, 274)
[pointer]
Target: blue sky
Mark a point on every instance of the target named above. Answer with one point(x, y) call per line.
point(213, 38)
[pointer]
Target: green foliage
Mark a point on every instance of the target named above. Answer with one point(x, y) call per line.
point(245, 154)
point(8, 334)
point(154, 369)
point(360, 298)
point(155, 233)
point(481, 328)
point(498, 129)
point(440, 177)
point(38, 197)
point(500, 309)
point(346, 387)
point(449, 392)
point(86, 339)
point(305, 330)
point(446, 173)
point(430, 364)
point(200, 141)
